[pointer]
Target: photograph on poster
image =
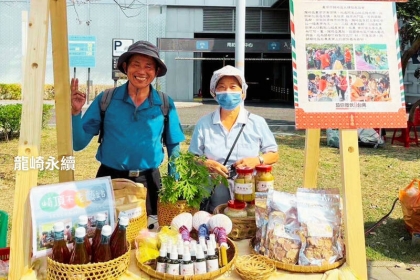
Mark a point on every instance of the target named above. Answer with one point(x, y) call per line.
point(370, 86)
point(330, 56)
point(45, 238)
point(327, 86)
point(371, 57)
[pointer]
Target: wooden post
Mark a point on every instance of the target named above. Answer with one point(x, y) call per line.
point(310, 172)
point(60, 51)
point(352, 200)
point(30, 136)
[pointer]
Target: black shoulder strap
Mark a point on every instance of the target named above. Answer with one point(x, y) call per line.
point(105, 100)
point(165, 110)
point(234, 142)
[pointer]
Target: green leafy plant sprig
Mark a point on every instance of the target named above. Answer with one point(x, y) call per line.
point(191, 180)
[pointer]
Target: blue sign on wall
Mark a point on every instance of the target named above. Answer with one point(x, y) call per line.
point(202, 45)
point(274, 46)
point(82, 51)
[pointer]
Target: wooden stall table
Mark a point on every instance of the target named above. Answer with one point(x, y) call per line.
point(342, 273)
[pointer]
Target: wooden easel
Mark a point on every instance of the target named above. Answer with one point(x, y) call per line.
point(30, 132)
point(351, 193)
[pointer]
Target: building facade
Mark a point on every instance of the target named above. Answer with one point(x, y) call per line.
point(195, 38)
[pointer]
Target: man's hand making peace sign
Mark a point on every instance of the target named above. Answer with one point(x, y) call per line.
point(78, 98)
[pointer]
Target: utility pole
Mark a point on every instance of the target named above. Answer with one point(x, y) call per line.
point(240, 35)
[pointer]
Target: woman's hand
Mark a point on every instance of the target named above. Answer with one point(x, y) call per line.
point(78, 98)
point(247, 162)
point(216, 167)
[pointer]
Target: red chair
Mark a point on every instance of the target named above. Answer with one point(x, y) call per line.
point(412, 124)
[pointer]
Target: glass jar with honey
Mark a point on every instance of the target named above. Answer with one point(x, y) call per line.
point(264, 179)
point(244, 184)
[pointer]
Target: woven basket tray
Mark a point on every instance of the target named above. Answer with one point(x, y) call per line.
point(232, 253)
point(300, 268)
point(242, 228)
point(167, 211)
point(110, 270)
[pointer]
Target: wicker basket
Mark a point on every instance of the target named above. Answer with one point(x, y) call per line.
point(167, 211)
point(254, 267)
point(232, 253)
point(136, 224)
point(134, 227)
point(242, 228)
point(300, 268)
point(110, 270)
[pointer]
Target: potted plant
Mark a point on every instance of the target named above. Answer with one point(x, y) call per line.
point(186, 188)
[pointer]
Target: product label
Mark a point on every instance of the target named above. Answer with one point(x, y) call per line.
point(134, 213)
point(172, 269)
point(263, 186)
point(212, 265)
point(320, 230)
point(244, 188)
point(200, 268)
point(161, 267)
point(187, 269)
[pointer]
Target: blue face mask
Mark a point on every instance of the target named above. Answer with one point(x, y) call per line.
point(229, 101)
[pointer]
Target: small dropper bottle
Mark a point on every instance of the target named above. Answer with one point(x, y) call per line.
point(200, 266)
point(162, 260)
point(172, 266)
point(187, 265)
point(212, 260)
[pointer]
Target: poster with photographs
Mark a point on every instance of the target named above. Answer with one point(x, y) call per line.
point(347, 69)
point(65, 202)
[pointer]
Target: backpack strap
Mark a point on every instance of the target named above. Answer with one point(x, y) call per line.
point(165, 110)
point(105, 100)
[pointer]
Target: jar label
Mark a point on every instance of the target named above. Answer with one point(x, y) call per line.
point(161, 267)
point(187, 269)
point(212, 265)
point(244, 188)
point(200, 267)
point(172, 269)
point(264, 186)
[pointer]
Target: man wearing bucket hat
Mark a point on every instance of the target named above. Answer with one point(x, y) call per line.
point(215, 133)
point(133, 124)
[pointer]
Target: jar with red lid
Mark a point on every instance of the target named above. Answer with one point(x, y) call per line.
point(244, 184)
point(264, 179)
point(235, 209)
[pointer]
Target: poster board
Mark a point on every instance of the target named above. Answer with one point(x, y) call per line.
point(346, 65)
point(65, 202)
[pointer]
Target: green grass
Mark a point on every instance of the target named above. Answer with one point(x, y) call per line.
point(383, 172)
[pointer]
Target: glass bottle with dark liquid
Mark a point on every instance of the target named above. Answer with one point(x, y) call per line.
point(119, 243)
point(103, 252)
point(83, 219)
point(96, 240)
point(79, 254)
point(60, 251)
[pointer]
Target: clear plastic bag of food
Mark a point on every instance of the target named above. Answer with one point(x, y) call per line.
point(261, 219)
point(282, 239)
point(320, 219)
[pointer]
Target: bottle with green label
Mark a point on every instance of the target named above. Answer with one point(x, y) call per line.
point(79, 254)
point(103, 251)
point(83, 220)
point(96, 240)
point(119, 244)
point(60, 251)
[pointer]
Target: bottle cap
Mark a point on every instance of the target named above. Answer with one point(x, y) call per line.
point(124, 221)
point(245, 170)
point(193, 249)
point(80, 232)
point(263, 168)
point(204, 246)
point(202, 240)
point(174, 253)
point(59, 226)
point(236, 204)
point(83, 219)
point(212, 237)
point(100, 217)
point(186, 256)
point(106, 230)
point(162, 251)
point(122, 214)
point(199, 253)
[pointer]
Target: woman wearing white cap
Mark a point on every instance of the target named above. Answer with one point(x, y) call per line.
point(215, 134)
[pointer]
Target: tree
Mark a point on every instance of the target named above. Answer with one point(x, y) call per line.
point(409, 14)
